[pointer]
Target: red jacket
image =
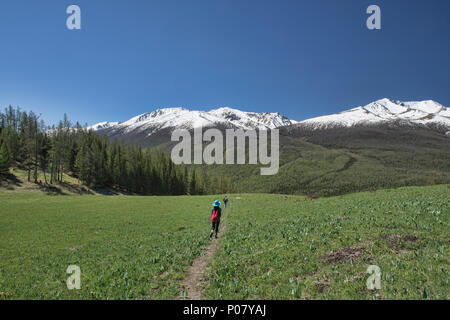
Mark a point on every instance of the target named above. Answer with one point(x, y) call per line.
point(215, 216)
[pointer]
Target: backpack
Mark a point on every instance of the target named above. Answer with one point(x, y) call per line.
point(215, 215)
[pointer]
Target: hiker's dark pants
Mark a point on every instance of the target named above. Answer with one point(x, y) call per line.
point(215, 226)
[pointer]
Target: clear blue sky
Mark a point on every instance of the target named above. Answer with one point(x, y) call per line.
point(300, 58)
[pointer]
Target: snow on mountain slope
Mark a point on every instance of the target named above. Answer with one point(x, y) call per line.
point(383, 111)
point(102, 125)
point(429, 113)
point(183, 118)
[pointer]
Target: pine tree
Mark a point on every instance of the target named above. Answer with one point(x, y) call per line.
point(5, 161)
point(193, 184)
point(83, 165)
point(93, 159)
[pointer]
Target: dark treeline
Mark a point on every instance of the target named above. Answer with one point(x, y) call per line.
point(69, 149)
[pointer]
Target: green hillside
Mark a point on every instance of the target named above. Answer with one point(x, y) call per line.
point(333, 162)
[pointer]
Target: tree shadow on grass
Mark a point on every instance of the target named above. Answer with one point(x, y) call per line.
point(110, 192)
point(9, 181)
point(79, 189)
point(50, 189)
point(62, 188)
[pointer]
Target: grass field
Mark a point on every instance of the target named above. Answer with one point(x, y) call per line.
point(289, 247)
point(128, 247)
point(275, 246)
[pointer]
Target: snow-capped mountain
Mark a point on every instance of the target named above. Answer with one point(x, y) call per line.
point(154, 128)
point(189, 119)
point(103, 125)
point(428, 113)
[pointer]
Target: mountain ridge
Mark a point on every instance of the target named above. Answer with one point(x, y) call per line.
point(419, 112)
point(183, 117)
point(155, 127)
point(427, 113)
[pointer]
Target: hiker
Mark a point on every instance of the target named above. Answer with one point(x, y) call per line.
point(216, 212)
point(225, 201)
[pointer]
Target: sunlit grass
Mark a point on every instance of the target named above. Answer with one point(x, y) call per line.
point(128, 247)
point(275, 246)
point(282, 247)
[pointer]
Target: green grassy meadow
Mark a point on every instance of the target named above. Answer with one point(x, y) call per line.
point(128, 247)
point(290, 247)
point(275, 246)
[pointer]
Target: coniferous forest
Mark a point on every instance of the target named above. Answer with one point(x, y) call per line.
point(27, 143)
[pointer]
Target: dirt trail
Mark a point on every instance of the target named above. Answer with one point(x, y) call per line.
point(194, 282)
